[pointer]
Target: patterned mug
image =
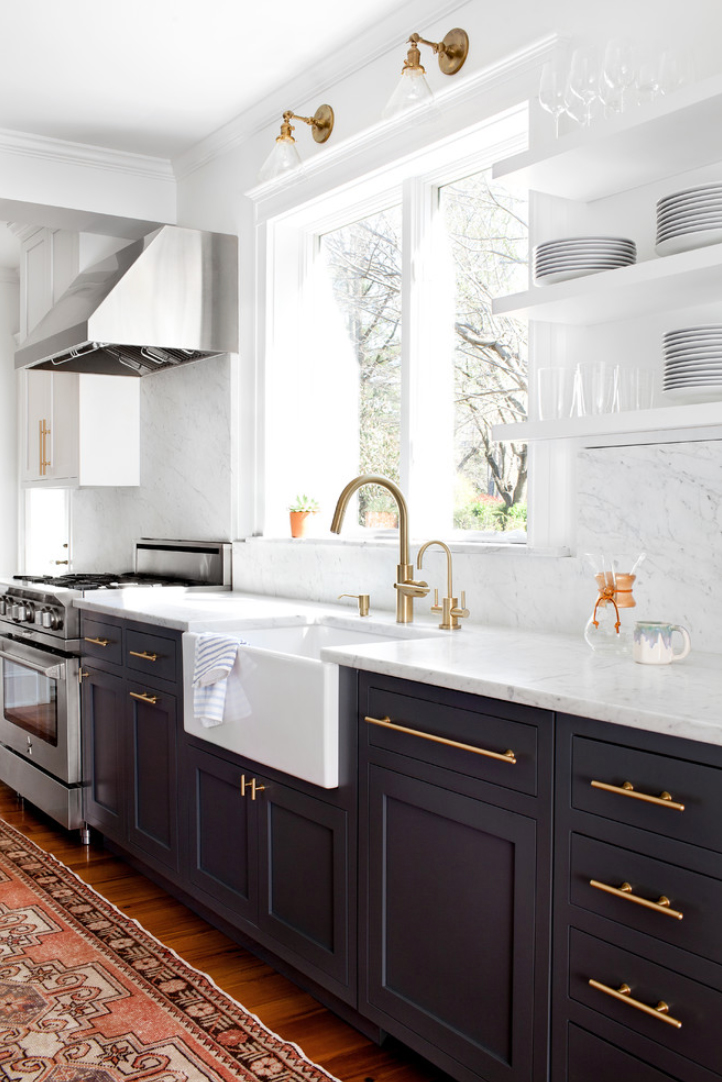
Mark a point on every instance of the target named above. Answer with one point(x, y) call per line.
point(653, 643)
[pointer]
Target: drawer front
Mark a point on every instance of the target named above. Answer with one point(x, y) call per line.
point(696, 1006)
point(689, 916)
point(485, 738)
point(692, 814)
point(591, 1059)
point(101, 641)
point(151, 654)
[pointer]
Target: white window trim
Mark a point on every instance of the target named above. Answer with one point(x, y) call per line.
point(386, 153)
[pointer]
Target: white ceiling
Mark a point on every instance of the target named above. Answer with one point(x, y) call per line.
point(157, 76)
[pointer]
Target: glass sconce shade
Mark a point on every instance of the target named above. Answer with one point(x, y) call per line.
point(412, 89)
point(282, 158)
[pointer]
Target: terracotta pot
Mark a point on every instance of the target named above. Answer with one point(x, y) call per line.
point(380, 519)
point(299, 522)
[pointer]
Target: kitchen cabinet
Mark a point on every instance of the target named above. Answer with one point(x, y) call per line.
point(130, 721)
point(638, 888)
point(79, 430)
point(454, 880)
point(602, 181)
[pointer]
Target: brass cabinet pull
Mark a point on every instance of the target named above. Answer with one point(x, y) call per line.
point(624, 995)
point(44, 463)
point(41, 426)
point(146, 657)
point(252, 785)
point(144, 697)
point(662, 905)
point(664, 800)
point(98, 642)
point(386, 723)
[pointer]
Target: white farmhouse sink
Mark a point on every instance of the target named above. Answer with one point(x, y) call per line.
point(292, 692)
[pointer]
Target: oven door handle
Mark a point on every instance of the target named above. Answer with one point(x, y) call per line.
point(52, 672)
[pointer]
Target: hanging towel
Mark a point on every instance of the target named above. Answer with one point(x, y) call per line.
point(218, 693)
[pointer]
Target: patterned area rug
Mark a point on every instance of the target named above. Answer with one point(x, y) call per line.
point(87, 995)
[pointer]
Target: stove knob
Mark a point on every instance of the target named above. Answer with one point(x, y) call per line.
point(17, 612)
point(46, 617)
point(38, 617)
point(3, 606)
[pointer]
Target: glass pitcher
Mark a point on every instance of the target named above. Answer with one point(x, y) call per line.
point(609, 630)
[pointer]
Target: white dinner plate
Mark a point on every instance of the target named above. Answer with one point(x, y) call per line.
point(595, 249)
point(692, 394)
point(682, 222)
point(692, 332)
point(566, 275)
point(688, 227)
point(685, 242)
point(565, 264)
point(702, 192)
point(711, 350)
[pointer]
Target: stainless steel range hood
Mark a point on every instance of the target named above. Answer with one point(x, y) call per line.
point(165, 300)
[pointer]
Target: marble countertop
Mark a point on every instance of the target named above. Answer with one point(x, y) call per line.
point(555, 672)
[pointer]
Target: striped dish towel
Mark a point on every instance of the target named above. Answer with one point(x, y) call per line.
point(218, 693)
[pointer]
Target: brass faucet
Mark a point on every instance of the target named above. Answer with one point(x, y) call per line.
point(449, 607)
point(406, 587)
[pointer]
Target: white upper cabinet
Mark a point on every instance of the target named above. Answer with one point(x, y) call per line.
point(606, 180)
point(75, 429)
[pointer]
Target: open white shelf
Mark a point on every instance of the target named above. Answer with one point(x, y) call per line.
point(674, 134)
point(668, 282)
point(635, 424)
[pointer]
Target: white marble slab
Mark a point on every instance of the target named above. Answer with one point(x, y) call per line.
point(555, 672)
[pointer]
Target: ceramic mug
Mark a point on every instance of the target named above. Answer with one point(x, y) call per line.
point(653, 643)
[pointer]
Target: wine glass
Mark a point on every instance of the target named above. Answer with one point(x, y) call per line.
point(675, 70)
point(618, 68)
point(584, 78)
point(647, 77)
point(552, 88)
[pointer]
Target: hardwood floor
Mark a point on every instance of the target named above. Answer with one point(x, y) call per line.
point(291, 1013)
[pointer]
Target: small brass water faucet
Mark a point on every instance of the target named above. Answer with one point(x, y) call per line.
point(407, 588)
point(449, 607)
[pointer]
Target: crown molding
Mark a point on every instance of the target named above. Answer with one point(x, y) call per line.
point(365, 47)
point(85, 155)
point(459, 108)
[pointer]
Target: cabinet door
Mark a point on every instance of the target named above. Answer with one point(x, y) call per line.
point(221, 830)
point(304, 882)
point(103, 724)
point(37, 411)
point(450, 889)
point(153, 818)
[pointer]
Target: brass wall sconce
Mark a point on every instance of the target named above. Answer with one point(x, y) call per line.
point(284, 155)
point(413, 89)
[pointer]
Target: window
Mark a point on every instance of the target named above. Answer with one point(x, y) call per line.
point(384, 355)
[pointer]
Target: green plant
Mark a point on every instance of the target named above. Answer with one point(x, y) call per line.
point(304, 503)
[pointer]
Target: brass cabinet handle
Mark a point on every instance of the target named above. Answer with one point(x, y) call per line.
point(662, 905)
point(44, 463)
point(386, 723)
point(664, 800)
point(98, 642)
point(146, 657)
point(41, 426)
point(144, 697)
point(624, 995)
point(252, 785)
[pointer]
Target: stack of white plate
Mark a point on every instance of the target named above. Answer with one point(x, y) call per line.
point(693, 362)
point(573, 257)
point(689, 219)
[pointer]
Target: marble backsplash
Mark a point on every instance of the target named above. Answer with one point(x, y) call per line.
point(664, 500)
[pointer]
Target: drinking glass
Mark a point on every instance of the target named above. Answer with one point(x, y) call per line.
point(555, 386)
point(647, 78)
point(584, 78)
point(552, 88)
point(675, 70)
point(595, 388)
point(618, 67)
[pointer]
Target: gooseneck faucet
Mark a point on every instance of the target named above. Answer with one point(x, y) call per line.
point(449, 607)
point(407, 588)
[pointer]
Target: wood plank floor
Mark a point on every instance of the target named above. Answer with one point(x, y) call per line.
point(291, 1013)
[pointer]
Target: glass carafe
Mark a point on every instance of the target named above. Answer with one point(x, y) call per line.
point(609, 629)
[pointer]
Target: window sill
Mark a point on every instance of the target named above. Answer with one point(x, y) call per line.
point(389, 540)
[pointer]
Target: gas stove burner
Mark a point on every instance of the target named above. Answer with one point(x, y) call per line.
point(92, 581)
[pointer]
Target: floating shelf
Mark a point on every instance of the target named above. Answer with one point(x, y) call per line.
point(656, 285)
point(636, 424)
point(674, 134)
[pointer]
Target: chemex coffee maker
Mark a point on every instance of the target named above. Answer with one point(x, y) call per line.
point(607, 632)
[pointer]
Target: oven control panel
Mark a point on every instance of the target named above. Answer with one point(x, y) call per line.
point(37, 612)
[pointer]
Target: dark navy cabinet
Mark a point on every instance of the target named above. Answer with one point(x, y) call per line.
point(455, 877)
point(638, 895)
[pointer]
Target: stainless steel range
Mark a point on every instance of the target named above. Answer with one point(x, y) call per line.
point(40, 744)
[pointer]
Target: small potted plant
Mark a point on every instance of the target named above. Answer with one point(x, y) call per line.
point(299, 511)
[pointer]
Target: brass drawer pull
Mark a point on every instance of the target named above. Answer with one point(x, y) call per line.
point(146, 657)
point(99, 642)
point(624, 995)
point(386, 723)
point(664, 800)
point(662, 905)
point(144, 697)
point(250, 785)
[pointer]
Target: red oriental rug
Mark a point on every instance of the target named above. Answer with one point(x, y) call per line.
point(87, 995)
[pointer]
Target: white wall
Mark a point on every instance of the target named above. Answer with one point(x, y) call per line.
point(9, 307)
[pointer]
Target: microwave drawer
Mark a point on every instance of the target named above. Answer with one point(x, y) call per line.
point(678, 906)
point(151, 654)
point(101, 641)
point(650, 1000)
point(675, 798)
